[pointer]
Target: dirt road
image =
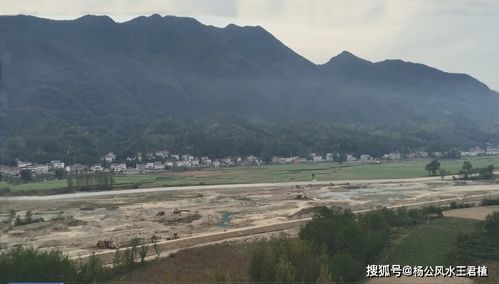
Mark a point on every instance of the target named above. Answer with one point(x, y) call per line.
point(209, 187)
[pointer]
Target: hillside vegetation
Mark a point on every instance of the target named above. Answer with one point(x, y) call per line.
point(73, 90)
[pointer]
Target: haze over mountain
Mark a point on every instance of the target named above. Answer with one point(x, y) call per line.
point(95, 80)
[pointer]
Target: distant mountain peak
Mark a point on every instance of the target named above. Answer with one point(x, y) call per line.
point(95, 19)
point(155, 16)
point(236, 27)
point(346, 57)
point(346, 53)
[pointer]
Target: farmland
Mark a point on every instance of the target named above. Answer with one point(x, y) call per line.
point(429, 244)
point(270, 174)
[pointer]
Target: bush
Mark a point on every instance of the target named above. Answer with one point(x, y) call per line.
point(492, 224)
point(28, 264)
point(28, 219)
point(284, 260)
point(489, 202)
point(4, 190)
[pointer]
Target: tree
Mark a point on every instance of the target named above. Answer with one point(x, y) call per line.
point(59, 173)
point(325, 276)
point(144, 248)
point(432, 167)
point(26, 175)
point(467, 169)
point(340, 157)
point(12, 215)
point(492, 224)
point(285, 271)
point(28, 264)
point(443, 173)
point(28, 218)
point(220, 275)
point(486, 172)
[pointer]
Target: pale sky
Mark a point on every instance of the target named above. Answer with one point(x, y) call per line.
point(452, 35)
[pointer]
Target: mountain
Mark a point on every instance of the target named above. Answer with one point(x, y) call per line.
point(123, 85)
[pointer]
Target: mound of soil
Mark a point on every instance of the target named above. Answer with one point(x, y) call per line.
point(182, 218)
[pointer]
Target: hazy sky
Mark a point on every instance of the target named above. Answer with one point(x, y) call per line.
point(453, 35)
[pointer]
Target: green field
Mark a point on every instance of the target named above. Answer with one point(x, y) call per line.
point(429, 244)
point(273, 173)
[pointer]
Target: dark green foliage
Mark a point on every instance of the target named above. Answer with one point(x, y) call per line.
point(26, 175)
point(489, 202)
point(467, 169)
point(429, 243)
point(475, 248)
point(443, 173)
point(455, 205)
point(28, 218)
point(492, 224)
point(433, 167)
point(90, 181)
point(336, 241)
point(468, 172)
point(30, 265)
point(12, 215)
point(481, 245)
point(59, 173)
point(78, 89)
point(432, 212)
point(486, 172)
point(94, 270)
point(284, 260)
point(340, 157)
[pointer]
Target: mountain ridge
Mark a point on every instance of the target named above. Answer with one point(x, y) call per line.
point(93, 73)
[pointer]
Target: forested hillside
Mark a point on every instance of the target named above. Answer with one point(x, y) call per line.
point(73, 90)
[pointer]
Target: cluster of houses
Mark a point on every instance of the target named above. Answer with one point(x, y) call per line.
point(35, 168)
point(477, 151)
point(153, 162)
point(162, 160)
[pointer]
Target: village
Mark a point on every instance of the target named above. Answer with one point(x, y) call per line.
point(162, 161)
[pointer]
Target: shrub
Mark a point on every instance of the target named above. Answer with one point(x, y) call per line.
point(28, 264)
point(489, 202)
point(492, 224)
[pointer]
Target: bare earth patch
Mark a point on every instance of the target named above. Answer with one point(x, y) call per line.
point(120, 216)
point(477, 213)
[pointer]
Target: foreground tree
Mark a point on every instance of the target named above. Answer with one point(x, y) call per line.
point(28, 264)
point(325, 276)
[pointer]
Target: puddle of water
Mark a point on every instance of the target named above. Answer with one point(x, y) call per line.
point(225, 220)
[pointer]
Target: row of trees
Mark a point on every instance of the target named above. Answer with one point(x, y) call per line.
point(89, 181)
point(17, 220)
point(466, 172)
point(221, 137)
point(29, 264)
